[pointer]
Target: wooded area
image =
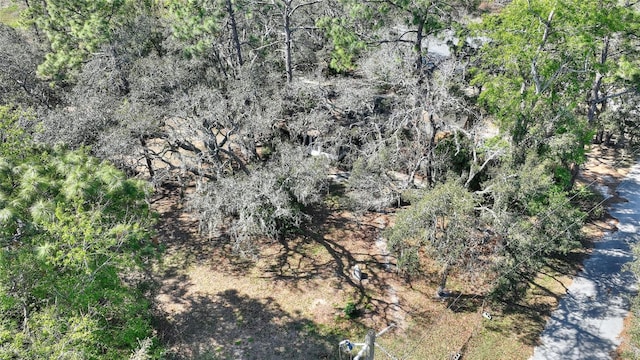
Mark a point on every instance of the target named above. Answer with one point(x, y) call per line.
point(468, 120)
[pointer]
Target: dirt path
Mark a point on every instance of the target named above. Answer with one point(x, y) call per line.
point(398, 317)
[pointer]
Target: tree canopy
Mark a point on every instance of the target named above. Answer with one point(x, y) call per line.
point(72, 227)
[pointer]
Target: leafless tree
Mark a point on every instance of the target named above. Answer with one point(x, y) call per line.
point(19, 85)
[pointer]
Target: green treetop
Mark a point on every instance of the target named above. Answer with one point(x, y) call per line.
point(71, 227)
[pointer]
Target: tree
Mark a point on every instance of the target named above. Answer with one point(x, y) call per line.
point(443, 221)
point(264, 204)
point(18, 82)
point(372, 23)
point(260, 24)
point(534, 79)
point(411, 131)
point(230, 134)
point(201, 21)
point(620, 119)
point(75, 29)
point(532, 219)
point(120, 96)
point(72, 228)
point(287, 9)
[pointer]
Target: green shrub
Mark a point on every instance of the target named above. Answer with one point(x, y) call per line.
point(351, 310)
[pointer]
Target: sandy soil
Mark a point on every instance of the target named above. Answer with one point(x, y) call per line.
point(210, 302)
point(288, 303)
point(604, 170)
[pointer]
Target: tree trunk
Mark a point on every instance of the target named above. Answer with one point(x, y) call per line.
point(594, 96)
point(441, 292)
point(599, 136)
point(417, 46)
point(147, 159)
point(430, 151)
point(234, 31)
point(575, 171)
point(287, 40)
point(622, 137)
point(25, 318)
point(35, 27)
point(607, 138)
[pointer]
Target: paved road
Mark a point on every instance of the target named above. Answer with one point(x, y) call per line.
point(589, 319)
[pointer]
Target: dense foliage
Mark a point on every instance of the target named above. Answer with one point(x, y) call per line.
point(71, 227)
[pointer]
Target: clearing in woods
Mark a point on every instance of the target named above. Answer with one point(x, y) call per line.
point(287, 304)
point(290, 302)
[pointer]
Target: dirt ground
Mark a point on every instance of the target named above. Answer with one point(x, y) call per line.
point(212, 304)
point(289, 303)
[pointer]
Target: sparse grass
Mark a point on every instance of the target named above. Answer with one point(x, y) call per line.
point(351, 310)
point(630, 347)
point(631, 336)
point(10, 15)
point(334, 201)
point(300, 278)
point(500, 339)
point(303, 283)
point(173, 262)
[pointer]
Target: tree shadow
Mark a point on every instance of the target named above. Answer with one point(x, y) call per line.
point(528, 324)
point(546, 290)
point(293, 261)
point(178, 234)
point(344, 262)
point(231, 325)
point(459, 302)
point(176, 228)
point(313, 253)
point(317, 253)
point(567, 264)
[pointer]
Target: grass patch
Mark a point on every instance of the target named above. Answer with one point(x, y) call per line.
point(173, 263)
point(505, 336)
point(351, 310)
point(10, 15)
point(630, 347)
point(510, 334)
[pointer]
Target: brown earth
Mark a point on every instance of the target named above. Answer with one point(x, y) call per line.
point(605, 169)
point(212, 302)
point(289, 302)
